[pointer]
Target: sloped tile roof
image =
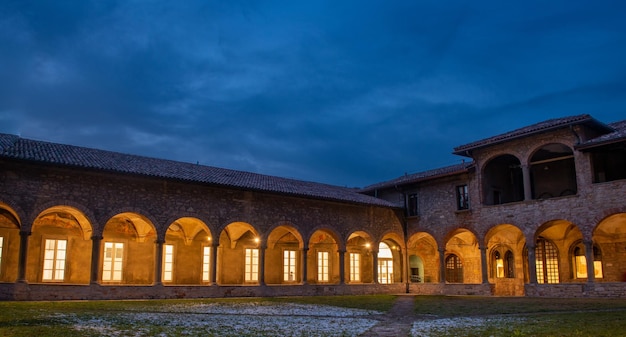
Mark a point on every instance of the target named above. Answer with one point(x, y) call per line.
point(14, 147)
point(618, 135)
point(544, 126)
point(421, 176)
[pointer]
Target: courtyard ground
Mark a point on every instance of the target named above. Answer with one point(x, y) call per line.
point(367, 316)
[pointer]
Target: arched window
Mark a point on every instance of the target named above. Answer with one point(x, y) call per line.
point(579, 262)
point(454, 269)
point(547, 262)
point(552, 172)
point(385, 264)
point(502, 180)
point(503, 265)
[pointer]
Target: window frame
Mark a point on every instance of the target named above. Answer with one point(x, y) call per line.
point(251, 269)
point(323, 268)
point(168, 266)
point(412, 205)
point(206, 263)
point(355, 267)
point(55, 269)
point(290, 265)
point(113, 262)
point(462, 197)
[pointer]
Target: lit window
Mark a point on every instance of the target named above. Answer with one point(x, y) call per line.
point(462, 197)
point(168, 263)
point(385, 264)
point(580, 262)
point(411, 204)
point(251, 265)
point(355, 267)
point(289, 265)
point(54, 260)
point(503, 266)
point(322, 266)
point(206, 263)
point(547, 262)
point(454, 269)
point(1, 245)
point(112, 261)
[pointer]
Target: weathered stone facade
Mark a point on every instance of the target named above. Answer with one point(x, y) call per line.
point(521, 218)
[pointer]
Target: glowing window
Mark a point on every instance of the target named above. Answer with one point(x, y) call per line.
point(580, 262)
point(322, 267)
point(206, 263)
point(547, 262)
point(289, 265)
point(385, 264)
point(355, 267)
point(54, 260)
point(1, 245)
point(168, 263)
point(112, 261)
point(251, 273)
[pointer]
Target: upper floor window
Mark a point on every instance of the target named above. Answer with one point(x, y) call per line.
point(411, 204)
point(502, 180)
point(609, 163)
point(462, 197)
point(552, 172)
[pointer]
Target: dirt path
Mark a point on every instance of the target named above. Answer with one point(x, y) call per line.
point(397, 322)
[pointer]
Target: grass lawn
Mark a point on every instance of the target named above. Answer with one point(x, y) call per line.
point(323, 316)
point(520, 316)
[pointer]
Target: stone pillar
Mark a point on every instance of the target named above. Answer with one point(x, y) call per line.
point(158, 262)
point(21, 267)
point(442, 265)
point(591, 272)
point(305, 267)
point(96, 245)
point(532, 265)
point(262, 248)
point(483, 264)
point(342, 266)
point(213, 275)
point(375, 266)
point(527, 183)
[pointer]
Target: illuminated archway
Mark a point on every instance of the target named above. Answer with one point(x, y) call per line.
point(323, 260)
point(128, 247)
point(424, 247)
point(283, 256)
point(239, 255)
point(9, 243)
point(187, 252)
point(608, 236)
point(463, 246)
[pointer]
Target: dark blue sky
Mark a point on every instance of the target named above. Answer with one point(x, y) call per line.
point(342, 92)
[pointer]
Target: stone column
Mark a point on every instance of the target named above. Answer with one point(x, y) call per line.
point(342, 266)
point(527, 183)
point(21, 267)
point(375, 266)
point(305, 252)
point(158, 262)
point(442, 265)
point(96, 245)
point(483, 264)
point(532, 265)
point(262, 248)
point(213, 275)
point(591, 272)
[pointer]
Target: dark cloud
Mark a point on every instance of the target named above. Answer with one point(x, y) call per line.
point(348, 92)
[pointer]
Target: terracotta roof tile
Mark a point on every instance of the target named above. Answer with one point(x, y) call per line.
point(544, 126)
point(421, 176)
point(14, 147)
point(618, 134)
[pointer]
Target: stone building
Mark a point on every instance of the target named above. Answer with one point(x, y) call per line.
point(522, 217)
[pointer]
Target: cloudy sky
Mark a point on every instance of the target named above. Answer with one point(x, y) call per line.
point(341, 92)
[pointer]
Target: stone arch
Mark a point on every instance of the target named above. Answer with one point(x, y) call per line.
point(9, 242)
point(552, 171)
point(10, 214)
point(186, 252)
point(239, 254)
point(505, 257)
point(552, 242)
point(283, 256)
point(59, 246)
point(323, 256)
point(463, 243)
point(502, 180)
point(609, 235)
point(359, 258)
point(128, 249)
point(423, 245)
